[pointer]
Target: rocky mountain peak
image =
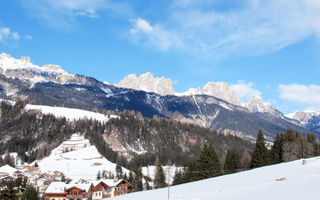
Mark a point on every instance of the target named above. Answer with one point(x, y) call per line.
point(147, 82)
point(256, 104)
point(303, 116)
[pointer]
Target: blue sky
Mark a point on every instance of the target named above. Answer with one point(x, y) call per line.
point(269, 48)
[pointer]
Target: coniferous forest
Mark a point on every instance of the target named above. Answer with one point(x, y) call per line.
point(203, 153)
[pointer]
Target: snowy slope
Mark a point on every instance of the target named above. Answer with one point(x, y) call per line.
point(84, 163)
point(169, 172)
point(70, 113)
point(291, 180)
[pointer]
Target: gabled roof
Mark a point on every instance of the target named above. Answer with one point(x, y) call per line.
point(83, 186)
point(8, 169)
point(109, 182)
point(61, 187)
point(56, 187)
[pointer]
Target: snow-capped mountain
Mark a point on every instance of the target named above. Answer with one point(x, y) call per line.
point(256, 104)
point(302, 117)
point(147, 82)
point(292, 180)
point(24, 69)
point(220, 90)
point(309, 119)
point(208, 107)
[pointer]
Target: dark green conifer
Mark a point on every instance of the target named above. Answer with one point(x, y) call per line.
point(260, 156)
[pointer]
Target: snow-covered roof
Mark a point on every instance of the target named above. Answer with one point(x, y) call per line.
point(109, 182)
point(56, 187)
point(61, 187)
point(82, 186)
point(8, 169)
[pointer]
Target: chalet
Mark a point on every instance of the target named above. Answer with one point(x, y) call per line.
point(88, 191)
point(110, 188)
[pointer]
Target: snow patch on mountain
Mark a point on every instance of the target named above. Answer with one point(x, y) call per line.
point(147, 82)
point(294, 180)
point(70, 113)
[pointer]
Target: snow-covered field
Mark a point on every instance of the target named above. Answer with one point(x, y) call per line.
point(70, 113)
point(291, 180)
point(84, 163)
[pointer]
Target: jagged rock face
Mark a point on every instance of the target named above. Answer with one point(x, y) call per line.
point(220, 90)
point(303, 117)
point(256, 104)
point(215, 107)
point(148, 83)
point(24, 69)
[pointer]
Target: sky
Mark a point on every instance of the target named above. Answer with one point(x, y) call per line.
point(269, 48)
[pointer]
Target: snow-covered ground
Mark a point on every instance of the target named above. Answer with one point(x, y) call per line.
point(150, 171)
point(84, 163)
point(292, 180)
point(70, 113)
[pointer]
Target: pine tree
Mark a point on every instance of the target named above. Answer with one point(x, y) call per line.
point(208, 163)
point(276, 149)
point(178, 178)
point(30, 194)
point(98, 175)
point(9, 191)
point(119, 171)
point(159, 179)
point(260, 156)
point(232, 162)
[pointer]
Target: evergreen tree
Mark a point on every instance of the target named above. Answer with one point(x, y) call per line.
point(119, 171)
point(208, 163)
point(9, 191)
point(178, 178)
point(98, 175)
point(276, 149)
point(260, 156)
point(159, 179)
point(30, 194)
point(232, 162)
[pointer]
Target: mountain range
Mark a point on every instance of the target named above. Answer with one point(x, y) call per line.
point(214, 106)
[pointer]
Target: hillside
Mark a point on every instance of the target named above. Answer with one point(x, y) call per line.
point(293, 180)
point(83, 162)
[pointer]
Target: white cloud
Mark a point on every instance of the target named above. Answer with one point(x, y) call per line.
point(155, 36)
point(140, 25)
point(28, 37)
point(6, 34)
point(207, 29)
point(62, 14)
point(301, 93)
point(244, 90)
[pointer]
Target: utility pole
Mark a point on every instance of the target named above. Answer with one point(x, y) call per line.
point(168, 174)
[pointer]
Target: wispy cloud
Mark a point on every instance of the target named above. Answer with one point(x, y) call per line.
point(215, 29)
point(244, 91)
point(304, 94)
point(62, 14)
point(7, 34)
point(154, 36)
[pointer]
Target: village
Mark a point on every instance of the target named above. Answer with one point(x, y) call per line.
point(55, 184)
